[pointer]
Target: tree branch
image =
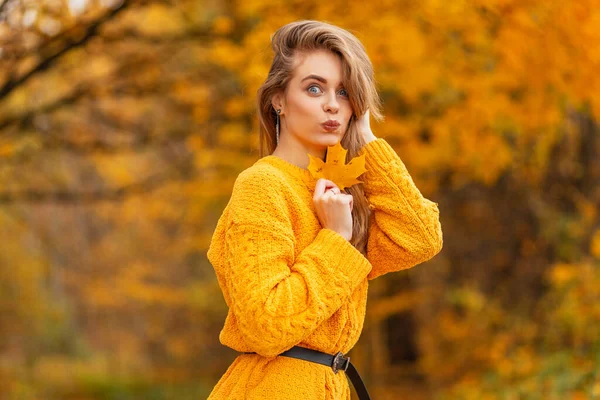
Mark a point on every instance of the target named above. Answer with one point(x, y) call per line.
point(72, 39)
point(2, 5)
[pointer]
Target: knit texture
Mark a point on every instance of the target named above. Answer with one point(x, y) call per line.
point(288, 281)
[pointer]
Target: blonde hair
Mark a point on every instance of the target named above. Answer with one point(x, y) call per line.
point(358, 79)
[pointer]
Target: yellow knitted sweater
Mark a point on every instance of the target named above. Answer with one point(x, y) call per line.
point(288, 281)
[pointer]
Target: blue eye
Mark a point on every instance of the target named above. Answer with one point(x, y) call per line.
point(345, 92)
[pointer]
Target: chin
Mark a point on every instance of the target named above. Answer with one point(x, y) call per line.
point(328, 139)
point(332, 138)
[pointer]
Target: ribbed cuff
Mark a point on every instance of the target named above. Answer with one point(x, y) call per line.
point(343, 255)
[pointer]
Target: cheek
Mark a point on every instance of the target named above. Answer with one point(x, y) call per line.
point(307, 107)
point(300, 107)
point(348, 108)
point(347, 114)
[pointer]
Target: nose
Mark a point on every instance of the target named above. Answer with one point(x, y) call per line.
point(331, 103)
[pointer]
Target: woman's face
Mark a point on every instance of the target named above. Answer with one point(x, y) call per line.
point(314, 95)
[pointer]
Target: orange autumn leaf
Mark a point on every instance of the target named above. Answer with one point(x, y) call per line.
point(335, 169)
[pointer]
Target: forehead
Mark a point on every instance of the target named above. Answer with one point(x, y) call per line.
point(319, 62)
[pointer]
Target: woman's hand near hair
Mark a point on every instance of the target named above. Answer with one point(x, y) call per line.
point(333, 208)
point(363, 125)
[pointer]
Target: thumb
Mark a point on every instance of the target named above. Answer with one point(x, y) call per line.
point(350, 201)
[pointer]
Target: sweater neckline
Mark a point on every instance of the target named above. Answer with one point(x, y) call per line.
point(291, 169)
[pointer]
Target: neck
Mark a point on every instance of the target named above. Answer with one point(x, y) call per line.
point(298, 155)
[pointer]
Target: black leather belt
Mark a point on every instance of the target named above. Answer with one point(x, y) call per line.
point(337, 362)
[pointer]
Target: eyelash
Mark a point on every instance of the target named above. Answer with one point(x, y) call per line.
point(311, 86)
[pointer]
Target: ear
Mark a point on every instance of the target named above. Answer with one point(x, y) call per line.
point(277, 102)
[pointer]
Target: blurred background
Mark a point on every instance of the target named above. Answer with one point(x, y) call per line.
point(123, 125)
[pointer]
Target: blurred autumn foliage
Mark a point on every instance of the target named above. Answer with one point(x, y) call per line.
point(123, 125)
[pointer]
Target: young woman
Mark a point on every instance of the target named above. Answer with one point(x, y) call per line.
point(293, 254)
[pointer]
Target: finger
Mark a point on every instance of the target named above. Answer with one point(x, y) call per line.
point(347, 199)
point(331, 184)
point(324, 184)
point(320, 187)
point(328, 195)
point(343, 199)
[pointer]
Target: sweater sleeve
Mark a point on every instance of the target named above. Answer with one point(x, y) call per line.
point(279, 296)
point(405, 229)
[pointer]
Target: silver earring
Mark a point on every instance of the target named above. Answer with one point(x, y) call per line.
point(277, 126)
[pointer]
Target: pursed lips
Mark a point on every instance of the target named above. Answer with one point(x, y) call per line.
point(331, 124)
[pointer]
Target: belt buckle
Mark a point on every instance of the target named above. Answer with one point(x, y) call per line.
point(338, 359)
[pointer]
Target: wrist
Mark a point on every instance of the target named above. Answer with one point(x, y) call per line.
point(369, 137)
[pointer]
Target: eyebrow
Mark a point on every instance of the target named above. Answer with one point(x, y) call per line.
point(317, 77)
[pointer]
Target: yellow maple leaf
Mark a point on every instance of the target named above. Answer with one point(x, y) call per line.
point(335, 169)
